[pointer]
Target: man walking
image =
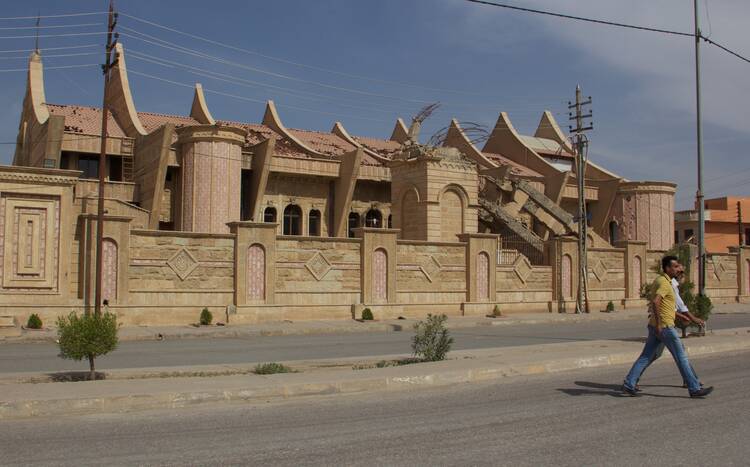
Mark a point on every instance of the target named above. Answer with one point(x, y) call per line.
point(661, 329)
point(682, 313)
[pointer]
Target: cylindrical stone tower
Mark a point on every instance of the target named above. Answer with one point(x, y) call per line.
point(211, 177)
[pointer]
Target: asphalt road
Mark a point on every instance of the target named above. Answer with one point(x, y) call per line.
point(42, 357)
point(574, 418)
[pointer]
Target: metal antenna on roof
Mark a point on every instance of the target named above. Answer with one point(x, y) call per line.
point(36, 44)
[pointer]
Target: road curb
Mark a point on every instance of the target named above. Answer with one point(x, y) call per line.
point(290, 386)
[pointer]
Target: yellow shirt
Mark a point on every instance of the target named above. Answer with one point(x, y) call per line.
point(666, 310)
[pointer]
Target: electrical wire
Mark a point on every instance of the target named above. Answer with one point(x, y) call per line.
point(55, 26)
point(65, 15)
point(75, 34)
point(290, 62)
point(53, 56)
point(53, 67)
point(51, 48)
point(608, 23)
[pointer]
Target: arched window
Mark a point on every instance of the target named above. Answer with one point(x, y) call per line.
point(612, 232)
point(313, 223)
point(269, 215)
point(373, 218)
point(353, 223)
point(292, 220)
point(390, 221)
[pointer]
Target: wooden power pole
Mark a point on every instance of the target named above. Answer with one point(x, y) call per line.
point(581, 145)
point(106, 68)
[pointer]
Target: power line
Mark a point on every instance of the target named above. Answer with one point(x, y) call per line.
point(55, 35)
point(581, 18)
point(53, 67)
point(53, 56)
point(56, 26)
point(51, 48)
point(66, 15)
point(290, 62)
point(608, 23)
point(249, 99)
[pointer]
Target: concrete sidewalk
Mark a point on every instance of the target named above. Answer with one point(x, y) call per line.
point(141, 333)
point(333, 377)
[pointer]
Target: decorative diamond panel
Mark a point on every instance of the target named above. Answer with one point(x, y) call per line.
point(431, 268)
point(183, 264)
point(318, 265)
point(522, 268)
point(600, 271)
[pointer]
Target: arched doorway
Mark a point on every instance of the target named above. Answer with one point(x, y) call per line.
point(256, 273)
point(451, 215)
point(483, 276)
point(380, 276)
point(109, 270)
point(566, 277)
point(292, 220)
point(636, 276)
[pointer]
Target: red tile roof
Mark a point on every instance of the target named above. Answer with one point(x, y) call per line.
point(384, 147)
point(152, 121)
point(325, 143)
point(85, 120)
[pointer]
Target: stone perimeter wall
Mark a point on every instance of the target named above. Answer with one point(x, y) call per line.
point(252, 274)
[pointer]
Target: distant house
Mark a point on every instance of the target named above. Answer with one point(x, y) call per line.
point(722, 224)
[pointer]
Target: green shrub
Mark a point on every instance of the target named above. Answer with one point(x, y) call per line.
point(88, 336)
point(367, 315)
point(431, 341)
point(35, 322)
point(271, 368)
point(702, 307)
point(206, 317)
point(496, 312)
point(610, 307)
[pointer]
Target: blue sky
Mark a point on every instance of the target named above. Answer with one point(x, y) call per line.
point(365, 63)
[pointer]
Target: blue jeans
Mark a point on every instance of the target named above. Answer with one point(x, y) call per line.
point(671, 341)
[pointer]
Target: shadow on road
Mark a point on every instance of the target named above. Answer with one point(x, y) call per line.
point(589, 388)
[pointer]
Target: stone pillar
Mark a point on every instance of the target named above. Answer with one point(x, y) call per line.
point(254, 262)
point(481, 267)
point(564, 259)
point(116, 254)
point(635, 270)
point(378, 259)
point(211, 177)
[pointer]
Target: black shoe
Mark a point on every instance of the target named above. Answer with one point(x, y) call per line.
point(685, 386)
point(629, 391)
point(703, 392)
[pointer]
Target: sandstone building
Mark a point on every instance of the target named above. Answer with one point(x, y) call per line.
point(266, 222)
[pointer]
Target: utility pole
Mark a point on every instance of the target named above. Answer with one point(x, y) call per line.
point(581, 145)
point(699, 135)
point(106, 68)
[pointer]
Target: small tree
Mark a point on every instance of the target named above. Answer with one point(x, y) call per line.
point(496, 312)
point(35, 322)
point(610, 307)
point(206, 317)
point(367, 315)
point(87, 336)
point(431, 341)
